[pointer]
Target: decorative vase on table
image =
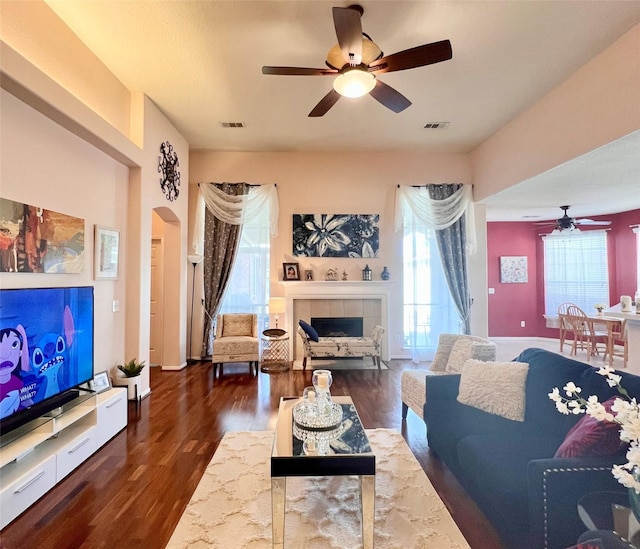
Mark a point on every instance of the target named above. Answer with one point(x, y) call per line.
point(322, 380)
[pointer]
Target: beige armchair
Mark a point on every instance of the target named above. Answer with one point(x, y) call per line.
point(236, 340)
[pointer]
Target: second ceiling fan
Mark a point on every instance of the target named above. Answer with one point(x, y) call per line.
point(356, 61)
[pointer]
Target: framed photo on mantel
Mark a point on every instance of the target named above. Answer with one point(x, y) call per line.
point(291, 271)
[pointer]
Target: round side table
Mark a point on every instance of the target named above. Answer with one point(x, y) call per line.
point(275, 351)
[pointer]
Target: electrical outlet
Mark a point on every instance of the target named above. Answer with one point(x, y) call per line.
point(492, 291)
point(115, 306)
point(522, 324)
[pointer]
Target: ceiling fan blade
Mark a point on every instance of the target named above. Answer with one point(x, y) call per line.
point(349, 32)
point(419, 56)
point(590, 222)
point(298, 71)
point(325, 104)
point(389, 97)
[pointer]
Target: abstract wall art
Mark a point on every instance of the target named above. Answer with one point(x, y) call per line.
point(36, 240)
point(336, 235)
point(513, 269)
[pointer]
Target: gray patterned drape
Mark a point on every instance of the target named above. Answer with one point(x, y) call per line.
point(452, 247)
point(221, 241)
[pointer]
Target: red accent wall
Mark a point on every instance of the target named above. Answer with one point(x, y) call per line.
point(512, 303)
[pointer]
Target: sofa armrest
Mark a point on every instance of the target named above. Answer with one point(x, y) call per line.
point(554, 486)
point(442, 387)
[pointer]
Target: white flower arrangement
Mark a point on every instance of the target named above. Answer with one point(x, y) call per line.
point(625, 412)
point(599, 307)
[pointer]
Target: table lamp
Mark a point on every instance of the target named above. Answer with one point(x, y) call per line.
point(276, 307)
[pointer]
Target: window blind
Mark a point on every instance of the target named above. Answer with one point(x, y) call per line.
point(576, 269)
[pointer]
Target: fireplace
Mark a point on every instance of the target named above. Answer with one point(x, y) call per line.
point(344, 326)
point(336, 299)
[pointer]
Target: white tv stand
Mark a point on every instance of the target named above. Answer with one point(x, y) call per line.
point(49, 448)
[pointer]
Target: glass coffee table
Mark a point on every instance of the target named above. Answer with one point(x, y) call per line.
point(344, 450)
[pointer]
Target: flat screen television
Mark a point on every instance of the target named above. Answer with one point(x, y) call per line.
point(46, 350)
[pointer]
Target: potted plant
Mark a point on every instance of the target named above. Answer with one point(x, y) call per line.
point(128, 375)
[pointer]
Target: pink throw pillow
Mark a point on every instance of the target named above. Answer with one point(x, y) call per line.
point(590, 437)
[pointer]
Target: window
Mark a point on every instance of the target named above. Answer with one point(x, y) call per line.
point(576, 269)
point(248, 289)
point(428, 308)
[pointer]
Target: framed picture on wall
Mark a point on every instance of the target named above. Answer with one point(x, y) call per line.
point(291, 271)
point(106, 253)
point(513, 269)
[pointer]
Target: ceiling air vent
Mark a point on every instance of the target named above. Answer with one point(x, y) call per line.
point(232, 124)
point(436, 125)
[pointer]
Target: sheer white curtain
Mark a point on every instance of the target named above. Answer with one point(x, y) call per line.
point(576, 269)
point(428, 306)
point(235, 278)
point(248, 288)
point(414, 205)
point(236, 210)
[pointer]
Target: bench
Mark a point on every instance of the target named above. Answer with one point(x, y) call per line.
point(336, 347)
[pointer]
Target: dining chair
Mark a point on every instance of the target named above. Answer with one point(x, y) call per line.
point(620, 343)
point(585, 337)
point(563, 325)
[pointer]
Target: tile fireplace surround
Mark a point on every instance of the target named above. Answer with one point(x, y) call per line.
point(334, 299)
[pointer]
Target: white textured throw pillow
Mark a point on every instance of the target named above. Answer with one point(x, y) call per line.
point(460, 353)
point(494, 387)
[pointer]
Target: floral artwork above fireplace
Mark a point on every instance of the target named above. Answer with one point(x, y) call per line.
point(336, 235)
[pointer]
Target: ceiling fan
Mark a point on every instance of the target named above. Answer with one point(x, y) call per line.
point(356, 61)
point(565, 222)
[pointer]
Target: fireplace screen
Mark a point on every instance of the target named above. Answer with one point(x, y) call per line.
point(343, 326)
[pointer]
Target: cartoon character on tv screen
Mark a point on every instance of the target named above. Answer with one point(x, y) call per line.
point(14, 371)
point(49, 355)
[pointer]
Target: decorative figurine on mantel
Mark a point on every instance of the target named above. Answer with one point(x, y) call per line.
point(345, 276)
point(332, 274)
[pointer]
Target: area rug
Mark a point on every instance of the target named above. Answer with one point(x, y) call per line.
point(338, 364)
point(231, 507)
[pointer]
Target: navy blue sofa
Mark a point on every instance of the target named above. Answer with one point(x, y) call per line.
point(508, 468)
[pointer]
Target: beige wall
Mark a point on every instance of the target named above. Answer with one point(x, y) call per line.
point(595, 106)
point(74, 140)
point(344, 183)
point(44, 165)
point(38, 34)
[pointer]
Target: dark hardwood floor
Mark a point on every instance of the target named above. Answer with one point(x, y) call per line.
point(133, 491)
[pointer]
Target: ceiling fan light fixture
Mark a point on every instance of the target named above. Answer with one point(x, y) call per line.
point(354, 83)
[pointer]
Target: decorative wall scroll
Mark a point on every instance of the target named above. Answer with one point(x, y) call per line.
point(513, 269)
point(168, 166)
point(336, 235)
point(35, 240)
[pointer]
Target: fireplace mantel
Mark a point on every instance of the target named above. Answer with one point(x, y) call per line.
point(336, 290)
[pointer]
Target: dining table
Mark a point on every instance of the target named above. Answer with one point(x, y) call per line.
point(612, 326)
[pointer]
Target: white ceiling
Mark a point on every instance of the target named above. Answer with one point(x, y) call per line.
point(200, 62)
